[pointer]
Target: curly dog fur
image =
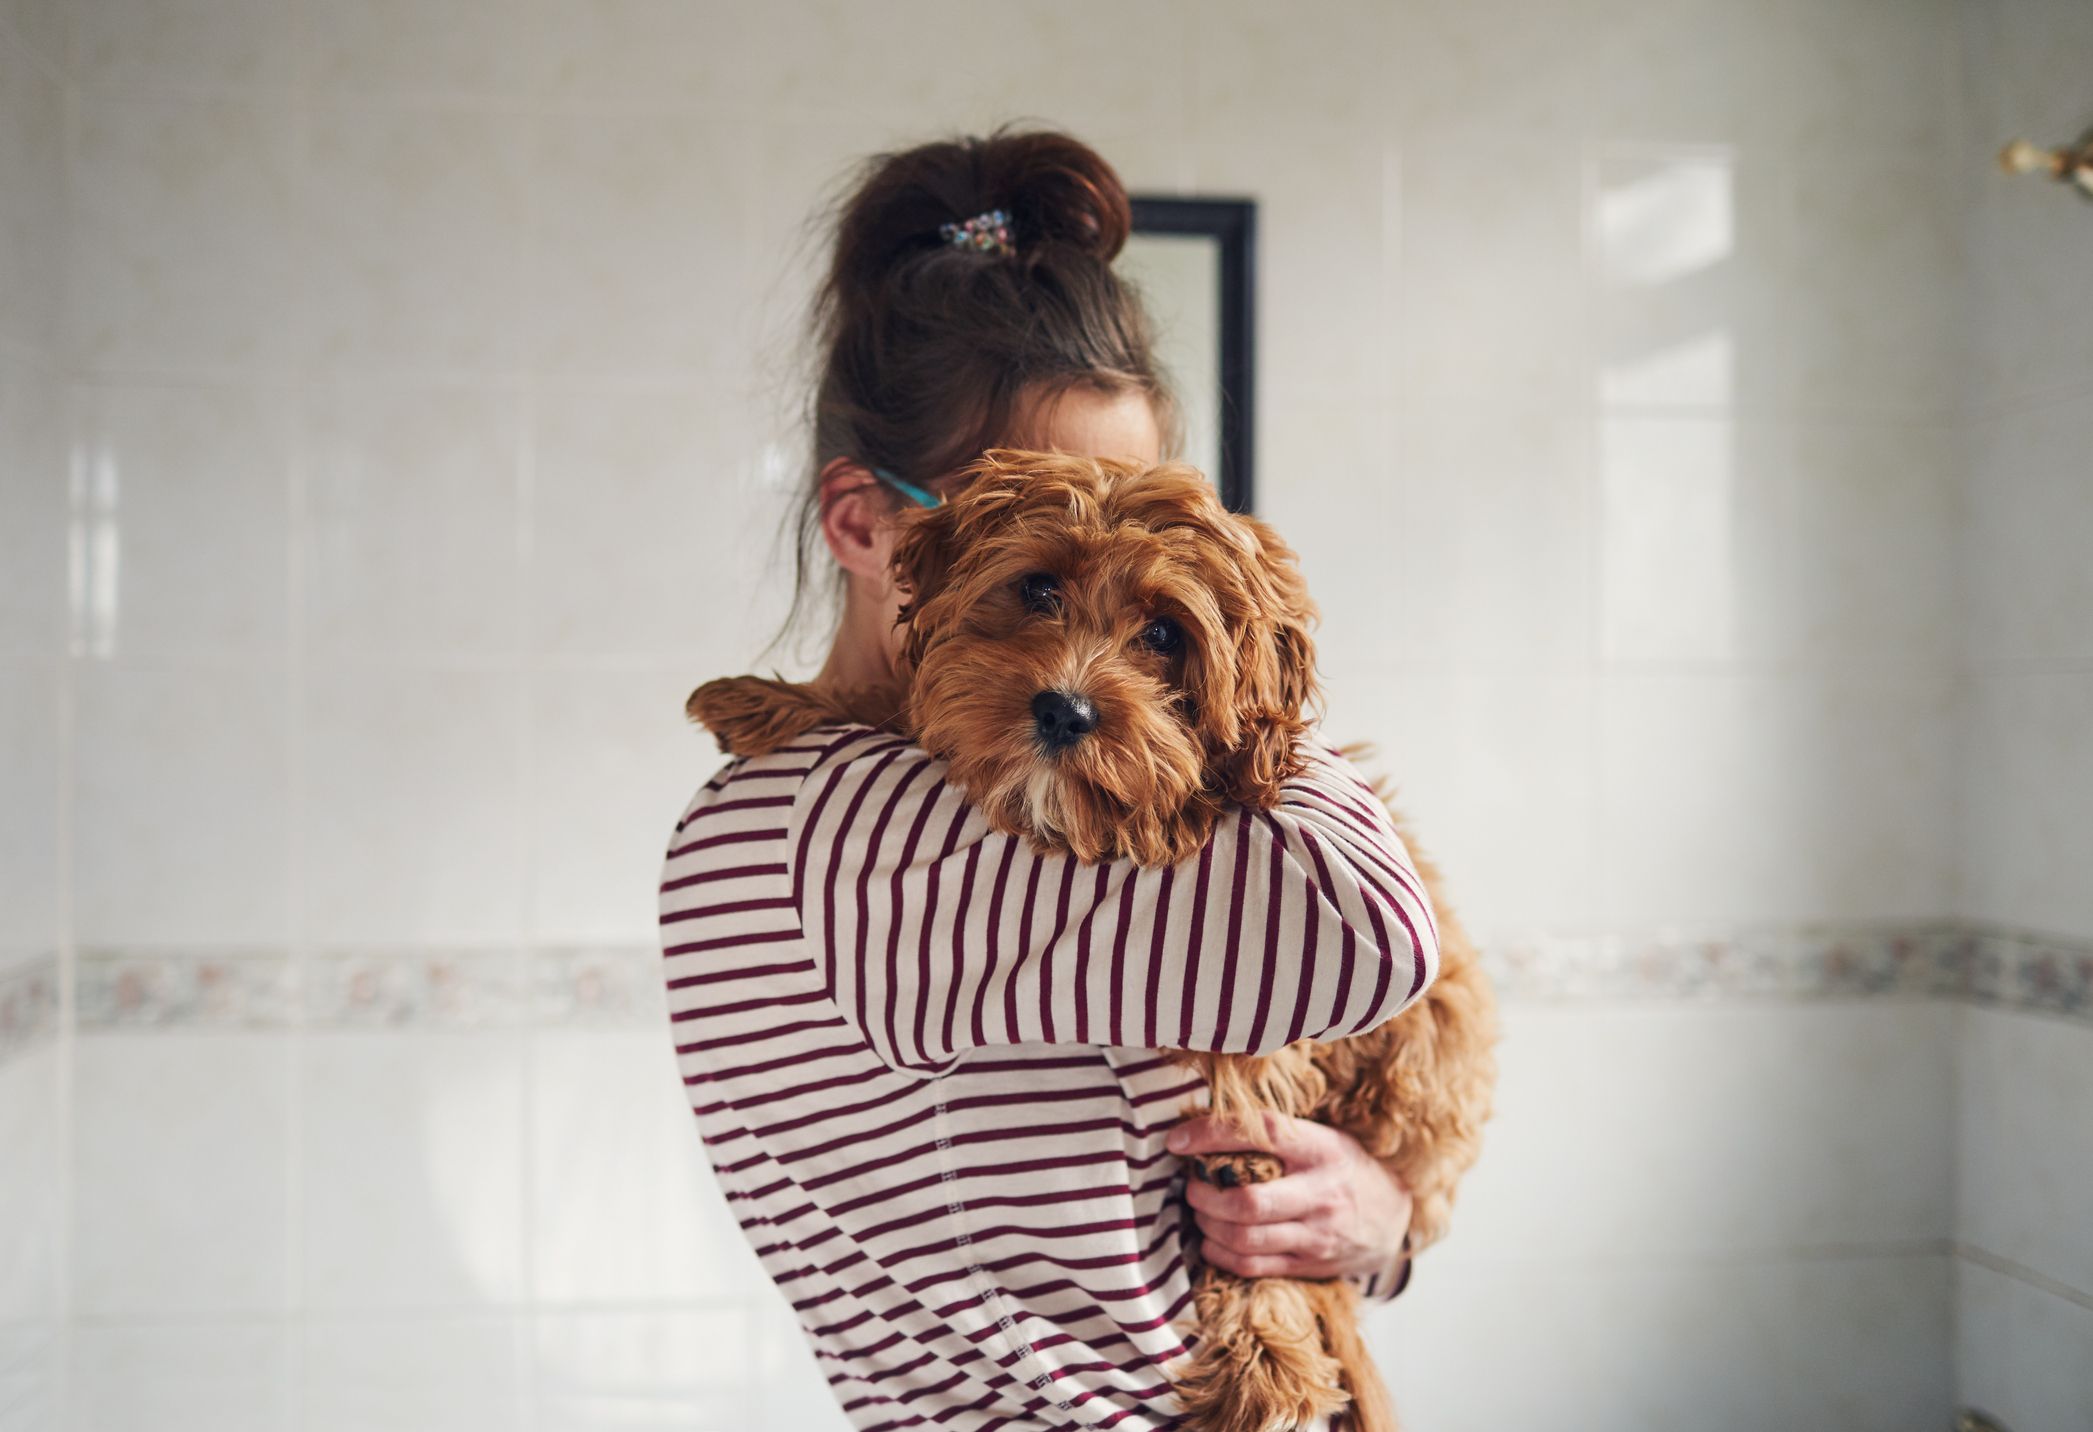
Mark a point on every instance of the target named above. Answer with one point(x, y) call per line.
point(1186, 627)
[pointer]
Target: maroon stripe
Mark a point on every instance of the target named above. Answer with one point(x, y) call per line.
point(758, 1036)
point(732, 837)
point(863, 967)
point(732, 907)
point(924, 980)
point(836, 865)
point(785, 1061)
point(977, 1136)
point(1046, 964)
point(1346, 940)
point(1189, 996)
point(958, 965)
point(734, 872)
point(1097, 903)
point(750, 973)
point(1010, 1230)
point(746, 803)
point(995, 1170)
point(1021, 961)
point(1044, 1199)
point(1155, 956)
point(895, 904)
point(786, 774)
point(1268, 975)
point(1119, 938)
point(806, 838)
point(995, 930)
point(732, 942)
point(1312, 926)
point(1235, 931)
point(812, 996)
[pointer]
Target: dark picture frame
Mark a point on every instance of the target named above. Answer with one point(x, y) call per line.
point(1232, 225)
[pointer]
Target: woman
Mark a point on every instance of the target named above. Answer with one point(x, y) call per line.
point(947, 1141)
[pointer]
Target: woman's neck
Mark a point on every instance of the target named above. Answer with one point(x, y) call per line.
point(859, 656)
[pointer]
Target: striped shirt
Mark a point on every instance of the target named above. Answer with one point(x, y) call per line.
point(922, 1059)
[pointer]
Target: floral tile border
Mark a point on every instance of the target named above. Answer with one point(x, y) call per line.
point(613, 985)
point(28, 1002)
point(369, 988)
point(1797, 962)
point(2019, 970)
point(182, 989)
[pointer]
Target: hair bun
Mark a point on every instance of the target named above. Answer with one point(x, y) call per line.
point(1058, 192)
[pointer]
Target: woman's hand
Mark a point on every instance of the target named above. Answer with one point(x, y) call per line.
point(1337, 1210)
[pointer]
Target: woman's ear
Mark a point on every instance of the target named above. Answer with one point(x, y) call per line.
point(855, 519)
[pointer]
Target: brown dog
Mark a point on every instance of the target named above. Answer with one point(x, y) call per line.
point(1185, 629)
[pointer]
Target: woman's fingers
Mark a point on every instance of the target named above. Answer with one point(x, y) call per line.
point(1280, 1201)
point(1295, 1141)
point(1254, 1265)
point(1285, 1239)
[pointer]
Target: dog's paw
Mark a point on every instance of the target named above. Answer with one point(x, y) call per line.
point(1233, 1170)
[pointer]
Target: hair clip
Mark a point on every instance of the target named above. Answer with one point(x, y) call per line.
point(987, 233)
point(909, 490)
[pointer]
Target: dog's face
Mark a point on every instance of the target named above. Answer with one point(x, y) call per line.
point(1103, 653)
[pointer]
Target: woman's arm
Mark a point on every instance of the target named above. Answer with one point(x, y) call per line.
point(938, 935)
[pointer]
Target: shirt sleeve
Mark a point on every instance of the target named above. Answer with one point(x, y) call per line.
point(937, 935)
point(1387, 1285)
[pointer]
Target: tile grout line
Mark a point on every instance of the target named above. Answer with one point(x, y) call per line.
point(297, 478)
point(2022, 1273)
point(69, 755)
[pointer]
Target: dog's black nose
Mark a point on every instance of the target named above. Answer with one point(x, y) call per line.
point(1062, 720)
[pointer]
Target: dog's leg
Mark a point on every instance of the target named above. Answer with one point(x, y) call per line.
point(1260, 1365)
point(1337, 1309)
point(754, 715)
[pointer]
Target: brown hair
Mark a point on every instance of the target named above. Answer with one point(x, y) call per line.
point(927, 350)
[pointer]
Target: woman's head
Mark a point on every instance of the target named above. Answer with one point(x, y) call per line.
point(930, 353)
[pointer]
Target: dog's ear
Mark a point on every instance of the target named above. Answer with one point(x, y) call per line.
point(928, 548)
point(922, 563)
point(1275, 675)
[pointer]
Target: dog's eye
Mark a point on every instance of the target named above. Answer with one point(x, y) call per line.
point(1040, 592)
point(1162, 636)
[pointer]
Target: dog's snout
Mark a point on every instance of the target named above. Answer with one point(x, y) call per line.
point(1061, 719)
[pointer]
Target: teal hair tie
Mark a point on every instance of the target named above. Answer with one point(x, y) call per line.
point(909, 490)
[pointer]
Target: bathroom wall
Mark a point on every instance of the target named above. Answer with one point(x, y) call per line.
point(426, 415)
point(33, 683)
point(2024, 1265)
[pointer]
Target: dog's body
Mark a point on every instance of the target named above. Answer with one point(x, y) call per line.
point(1107, 659)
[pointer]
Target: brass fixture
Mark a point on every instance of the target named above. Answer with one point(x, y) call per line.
point(2072, 164)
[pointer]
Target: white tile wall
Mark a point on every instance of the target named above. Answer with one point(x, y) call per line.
point(2022, 1353)
point(2025, 1157)
point(410, 1373)
point(197, 1377)
point(412, 536)
point(407, 1169)
point(185, 491)
point(395, 410)
point(33, 488)
point(181, 795)
point(181, 1174)
point(2024, 1290)
point(417, 772)
point(32, 1197)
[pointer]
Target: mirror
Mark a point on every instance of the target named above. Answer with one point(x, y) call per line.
point(1194, 260)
